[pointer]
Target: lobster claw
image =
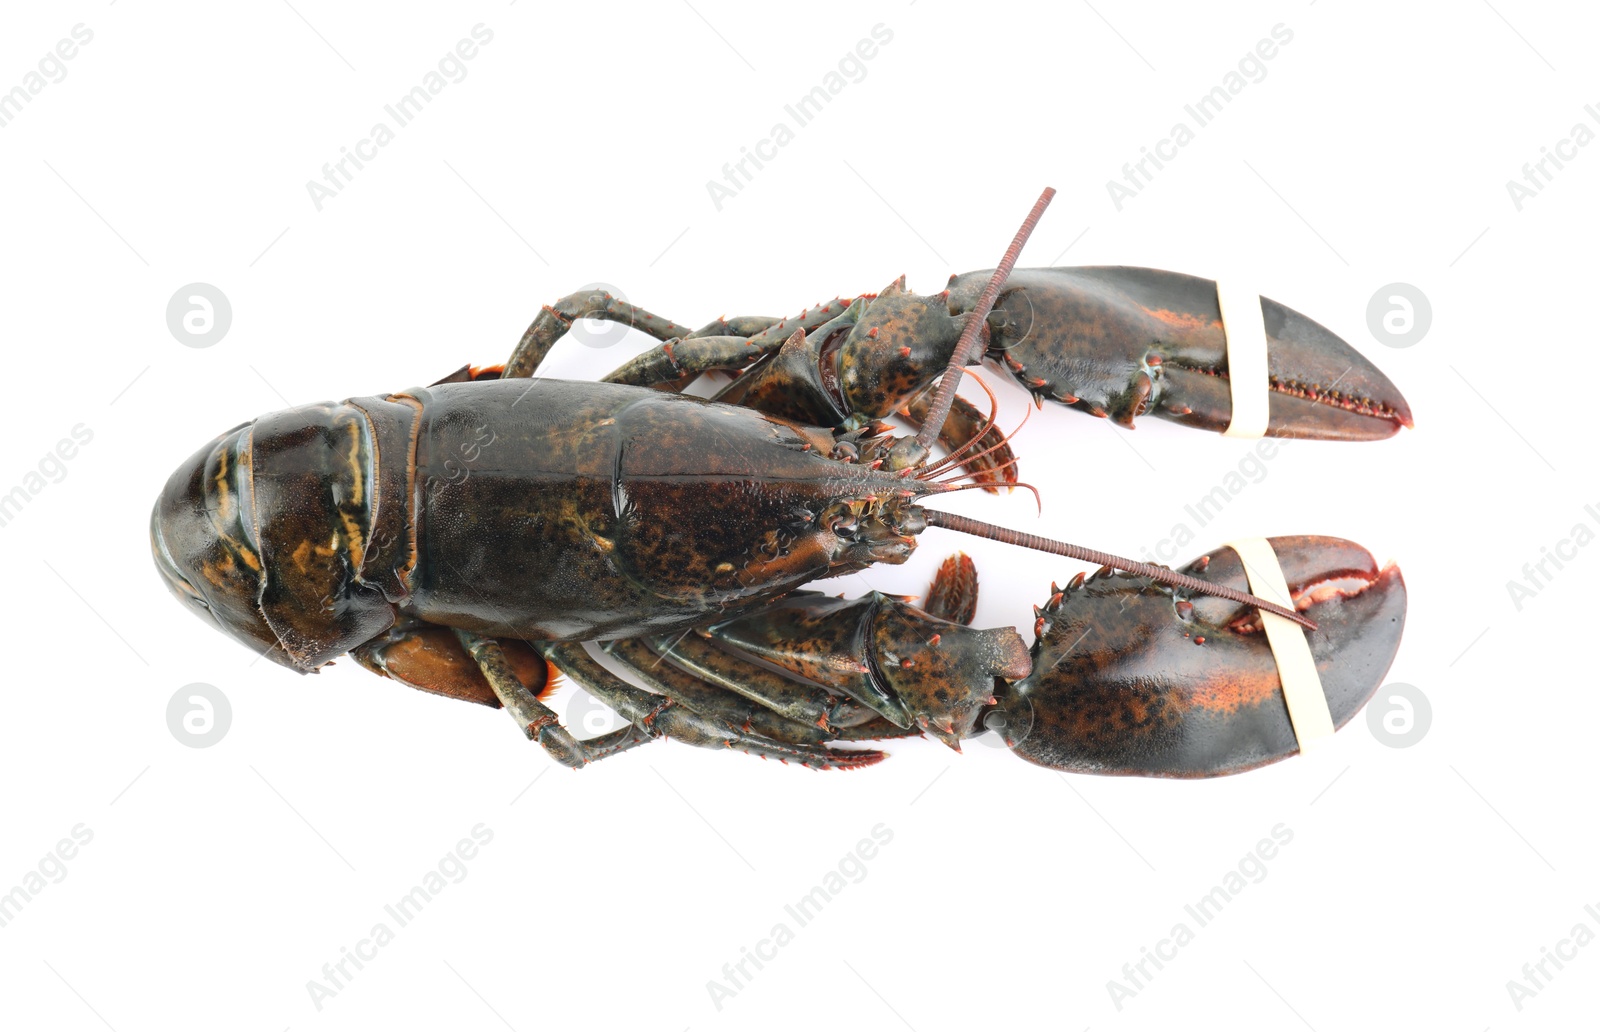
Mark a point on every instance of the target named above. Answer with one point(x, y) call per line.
point(1131, 677)
point(1121, 342)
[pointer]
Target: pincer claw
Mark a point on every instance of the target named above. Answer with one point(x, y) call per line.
point(1135, 678)
point(1120, 342)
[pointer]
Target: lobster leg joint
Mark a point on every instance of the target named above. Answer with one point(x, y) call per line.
point(538, 721)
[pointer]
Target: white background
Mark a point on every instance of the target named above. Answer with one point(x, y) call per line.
point(219, 881)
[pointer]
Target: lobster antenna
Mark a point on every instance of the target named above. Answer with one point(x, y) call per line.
point(1005, 439)
point(988, 423)
point(1160, 574)
point(946, 395)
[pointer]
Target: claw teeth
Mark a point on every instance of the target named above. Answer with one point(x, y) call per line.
point(1360, 405)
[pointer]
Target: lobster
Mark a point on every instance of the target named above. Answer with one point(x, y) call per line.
point(468, 538)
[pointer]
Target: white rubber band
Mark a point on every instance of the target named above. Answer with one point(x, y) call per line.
point(1297, 670)
point(1246, 333)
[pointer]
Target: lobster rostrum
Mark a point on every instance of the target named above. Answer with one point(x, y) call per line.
point(470, 537)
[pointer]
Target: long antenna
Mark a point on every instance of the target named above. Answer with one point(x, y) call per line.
point(939, 409)
point(1161, 574)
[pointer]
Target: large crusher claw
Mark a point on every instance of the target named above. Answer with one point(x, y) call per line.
point(1131, 677)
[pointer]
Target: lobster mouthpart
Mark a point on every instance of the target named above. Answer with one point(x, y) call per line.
point(1132, 677)
point(1120, 342)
